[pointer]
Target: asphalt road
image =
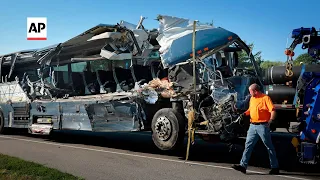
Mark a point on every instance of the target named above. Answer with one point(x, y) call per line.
point(133, 156)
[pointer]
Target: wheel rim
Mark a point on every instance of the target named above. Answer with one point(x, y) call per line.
point(163, 128)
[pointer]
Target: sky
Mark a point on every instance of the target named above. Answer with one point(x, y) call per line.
point(267, 24)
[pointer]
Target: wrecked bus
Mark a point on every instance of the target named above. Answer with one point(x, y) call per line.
point(124, 77)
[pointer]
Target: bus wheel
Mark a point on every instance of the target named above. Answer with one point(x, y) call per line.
point(168, 129)
point(1, 123)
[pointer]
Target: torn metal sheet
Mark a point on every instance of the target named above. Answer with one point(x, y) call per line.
point(83, 37)
point(132, 44)
point(45, 55)
point(106, 35)
point(219, 114)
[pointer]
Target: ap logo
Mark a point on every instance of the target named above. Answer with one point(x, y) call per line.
point(37, 28)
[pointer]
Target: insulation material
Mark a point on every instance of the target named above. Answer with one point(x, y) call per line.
point(155, 88)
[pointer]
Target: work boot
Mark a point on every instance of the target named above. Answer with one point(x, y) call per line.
point(240, 168)
point(274, 171)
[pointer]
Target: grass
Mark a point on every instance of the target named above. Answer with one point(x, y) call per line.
point(12, 168)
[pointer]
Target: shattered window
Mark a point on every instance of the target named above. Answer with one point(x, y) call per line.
point(32, 74)
point(79, 67)
point(125, 64)
point(61, 68)
point(47, 74)
point(62, 74)
point(5, 70)
point(100, 65)
point(245, 60)
point(19, 71)
point(154, 55)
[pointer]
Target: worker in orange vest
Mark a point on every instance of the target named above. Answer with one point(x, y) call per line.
point(262, 114)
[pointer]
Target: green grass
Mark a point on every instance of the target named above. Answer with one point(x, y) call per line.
point(12, 168)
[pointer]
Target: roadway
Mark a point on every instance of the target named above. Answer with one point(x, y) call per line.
point(132, 156)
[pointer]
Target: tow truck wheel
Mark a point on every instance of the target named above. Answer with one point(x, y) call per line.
point(168, 129)
point(1, 123)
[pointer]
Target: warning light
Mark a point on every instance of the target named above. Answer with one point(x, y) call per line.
point(287, 52)
point(292, 54)
point(313, 131)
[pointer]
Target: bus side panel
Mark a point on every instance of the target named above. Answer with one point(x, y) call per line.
point(6, 109)
point(74, 116)
point(47, 109)
point(119, 115)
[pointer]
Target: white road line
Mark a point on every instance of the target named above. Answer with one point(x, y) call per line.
point(147, 157)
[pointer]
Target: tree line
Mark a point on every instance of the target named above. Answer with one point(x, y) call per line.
point(244, 61)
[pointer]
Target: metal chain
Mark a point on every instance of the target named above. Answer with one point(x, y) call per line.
point(289, 63)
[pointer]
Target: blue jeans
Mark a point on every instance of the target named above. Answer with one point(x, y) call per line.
point(254, 132)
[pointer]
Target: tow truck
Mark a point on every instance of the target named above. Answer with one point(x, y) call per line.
point(307, 96)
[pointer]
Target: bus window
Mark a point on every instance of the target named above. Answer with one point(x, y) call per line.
point(125, 64)
point(79, 67)
point(104, 65)
point(61, 76)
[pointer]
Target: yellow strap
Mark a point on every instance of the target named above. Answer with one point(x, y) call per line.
point(188, 146)
point(192, 135)
point(191, 131)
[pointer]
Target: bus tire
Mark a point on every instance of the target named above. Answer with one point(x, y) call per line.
point(1, 123)
point(168, 129)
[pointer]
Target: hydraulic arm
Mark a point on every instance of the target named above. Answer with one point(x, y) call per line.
point(309, 39)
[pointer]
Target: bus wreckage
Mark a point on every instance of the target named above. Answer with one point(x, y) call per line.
point(124, 77)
